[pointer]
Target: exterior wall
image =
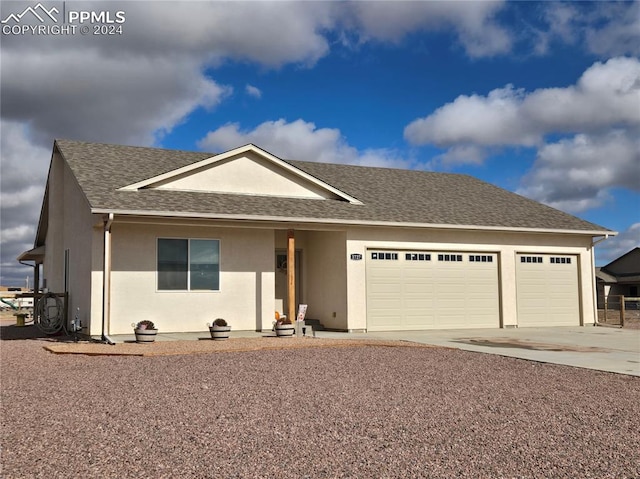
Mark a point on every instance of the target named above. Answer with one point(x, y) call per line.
point(53, 265)
point(245, 298)
point(70, 228)
point(327, 278)
point(506, 245)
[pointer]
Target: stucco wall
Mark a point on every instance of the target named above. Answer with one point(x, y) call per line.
point(53, 265)
point(327, 278)
point(506, 245)
point(70, 228)
point(245, 298)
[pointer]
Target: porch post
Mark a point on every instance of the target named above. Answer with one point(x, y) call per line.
point(291, 275)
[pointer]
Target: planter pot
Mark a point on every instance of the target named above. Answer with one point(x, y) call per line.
point(145, 335)
point(220, 333)
point(285, 330)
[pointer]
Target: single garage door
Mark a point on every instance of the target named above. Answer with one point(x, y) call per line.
point(411, 290)
point(547, 290)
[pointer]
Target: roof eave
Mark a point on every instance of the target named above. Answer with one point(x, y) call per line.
point(333, 221)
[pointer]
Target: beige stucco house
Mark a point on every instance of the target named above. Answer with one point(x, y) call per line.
point(181, 238)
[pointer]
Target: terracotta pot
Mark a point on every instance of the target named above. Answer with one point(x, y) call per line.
point(220, 333)
point(145, 335)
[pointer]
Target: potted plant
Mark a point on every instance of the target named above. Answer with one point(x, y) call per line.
point(284, 327)
point(145, 331)
point(219, 330)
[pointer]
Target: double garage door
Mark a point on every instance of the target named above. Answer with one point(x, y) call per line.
point(412, 290)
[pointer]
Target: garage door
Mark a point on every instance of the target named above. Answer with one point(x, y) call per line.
point(547, 290)
point(411, 290)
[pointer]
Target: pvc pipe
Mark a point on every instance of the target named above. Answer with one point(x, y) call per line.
point(106, 278)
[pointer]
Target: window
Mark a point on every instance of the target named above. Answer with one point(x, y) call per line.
point(384, 256)
point(531, 259)
point(188, 264)
point(417, 257)
point(449, 257)
point(555, 260)
point(480, 258)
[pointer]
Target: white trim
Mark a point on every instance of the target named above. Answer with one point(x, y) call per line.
point(236, 151)
point(345, 222)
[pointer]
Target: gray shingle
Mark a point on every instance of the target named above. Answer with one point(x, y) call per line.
point(389, 195)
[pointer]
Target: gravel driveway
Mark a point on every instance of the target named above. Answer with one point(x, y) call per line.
point(320, 413)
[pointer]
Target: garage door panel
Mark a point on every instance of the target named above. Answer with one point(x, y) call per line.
point(547, 292)
point(453, 293)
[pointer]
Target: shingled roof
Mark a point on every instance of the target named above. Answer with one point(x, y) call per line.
point(388, 196)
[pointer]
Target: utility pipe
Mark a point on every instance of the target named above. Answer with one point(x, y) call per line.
point(594, 280)
point(106, 278)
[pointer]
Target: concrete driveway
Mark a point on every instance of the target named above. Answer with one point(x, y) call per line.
point(601, 348)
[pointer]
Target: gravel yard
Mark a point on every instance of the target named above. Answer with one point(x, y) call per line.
point(360, 412)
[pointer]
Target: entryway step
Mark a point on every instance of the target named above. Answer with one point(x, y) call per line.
point(314, 323)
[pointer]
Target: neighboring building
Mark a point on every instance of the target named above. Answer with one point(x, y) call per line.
point(621, 277)
point(188, 236)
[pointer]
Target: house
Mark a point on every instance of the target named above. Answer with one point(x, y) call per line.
point(182, 238)
point(621, 277)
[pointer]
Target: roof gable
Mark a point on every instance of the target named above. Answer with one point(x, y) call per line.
point(229, 173)
point(625, 265)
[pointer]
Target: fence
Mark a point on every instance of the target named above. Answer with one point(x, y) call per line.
point(618, 309)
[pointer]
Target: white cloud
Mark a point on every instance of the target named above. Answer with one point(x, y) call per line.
point(112, 99)
point(491, 120)
point(615, 247)
point(253, 91)
point(460, 155)
point(599, 117)
point(606, 95)
point(577, 174)
point(473, 23)
point(299, 140)
point(606, 29)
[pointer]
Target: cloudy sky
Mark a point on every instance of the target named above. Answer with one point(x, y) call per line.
point(542, 99)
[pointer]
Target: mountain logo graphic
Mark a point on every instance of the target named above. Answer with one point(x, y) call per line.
point(38, 11)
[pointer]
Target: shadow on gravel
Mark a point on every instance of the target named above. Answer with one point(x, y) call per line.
point(13, 332)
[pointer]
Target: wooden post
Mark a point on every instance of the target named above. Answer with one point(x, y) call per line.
point(622, 311)
point(291, 276)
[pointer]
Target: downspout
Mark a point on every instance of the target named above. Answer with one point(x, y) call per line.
point(594, 280)
point(106, 279)
point(36, 275)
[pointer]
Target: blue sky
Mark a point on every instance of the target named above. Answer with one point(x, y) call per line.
point(540, 98)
